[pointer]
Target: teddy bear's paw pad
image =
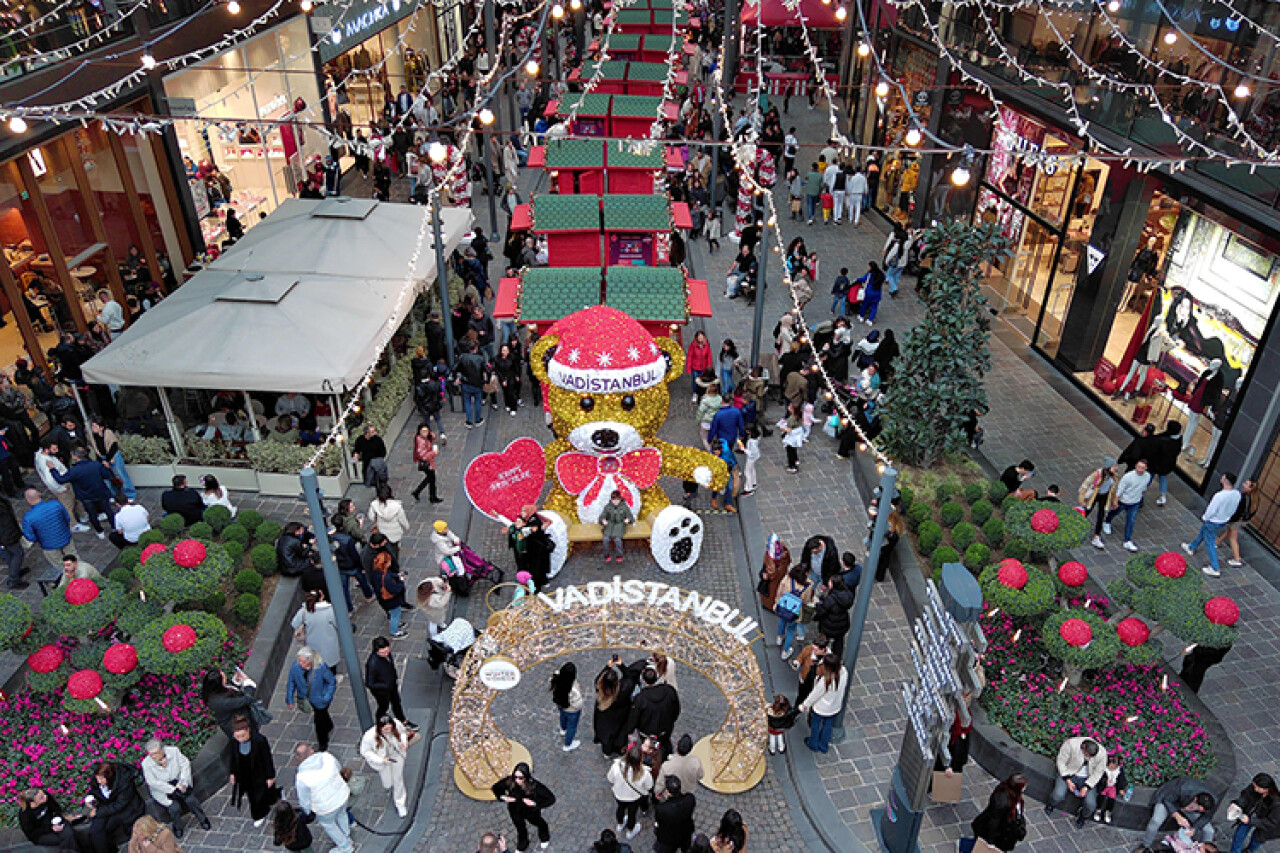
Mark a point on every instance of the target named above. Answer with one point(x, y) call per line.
point(676, 541)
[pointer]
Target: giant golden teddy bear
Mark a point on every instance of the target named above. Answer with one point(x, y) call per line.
point(606, 388)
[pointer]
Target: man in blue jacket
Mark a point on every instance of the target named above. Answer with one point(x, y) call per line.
point(727, 423)
point(91, 481)
point(48, 525)
point(310, 679)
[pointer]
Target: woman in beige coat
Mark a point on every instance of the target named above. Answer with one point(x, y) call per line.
point(150, 836)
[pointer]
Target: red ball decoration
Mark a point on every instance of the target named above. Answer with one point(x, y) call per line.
point(1044, 521)
point(46, 659)
point(1072, 573)
point(188, 553)
point(1133, 631)
point(153, 549)
point(1221, 610)
point(1171, 564)
point(84, 684)
point(120, 659)
point(1076, 632)
point(179, 638)
point(1012, 574)
point(80, 591)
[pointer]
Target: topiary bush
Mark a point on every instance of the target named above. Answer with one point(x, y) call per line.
point(201, 530)
point(75, 620)
point(974, 492)
point(122, 576)
point(263, 557)
point(1072, 529)
point(919, 513)
point(993, 532)
point(976, 556)
point(214, 601)
point(247, 580)
point(943, 555)
point(235, 551)
point(951, 513)
point(268, 531)
point(217, 517)
point(172, 525)
point(136, 615)
point(130, 557)
point(15, 620)
point(151, 537)
point(963, 535)
point(1101, 651)
point(981, 511)
point(247, 609)
point(996, 491)
point(249, 519)
point(193, 643)
point(235, 533)
point(929, 537)
point(943, 491)
point(1009, 502)
point(908, 497)
point(1034, 599)
point(1016, 549)
point(165, 576)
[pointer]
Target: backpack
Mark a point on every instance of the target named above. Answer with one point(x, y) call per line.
point(840, 182)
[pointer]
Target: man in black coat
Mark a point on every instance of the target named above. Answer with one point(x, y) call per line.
point(67, 434)
point(117, 804)
point(437, 341)
point(832, 613)
point(655, 709)
point(1259, 804)
point(820, 559)
point(673, 819)
point(11, 545)
point(367, 448)
point(293, 550)
point(1164, 459)
point(1188, 802)
point(381, 679)
point(183, 501)
point(1142, 447)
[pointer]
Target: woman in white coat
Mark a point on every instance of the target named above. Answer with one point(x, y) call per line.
point(316, 617)
point(387, 515)
point(385, 748)
point(216, 494)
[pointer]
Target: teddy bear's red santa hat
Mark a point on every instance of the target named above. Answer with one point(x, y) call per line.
point(601, 350)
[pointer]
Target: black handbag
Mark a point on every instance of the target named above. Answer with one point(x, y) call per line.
point(762, 585)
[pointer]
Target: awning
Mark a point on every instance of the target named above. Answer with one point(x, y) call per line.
point(817, 16)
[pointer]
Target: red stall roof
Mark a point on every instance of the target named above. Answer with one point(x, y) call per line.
point(816, 15)
point(505, 304)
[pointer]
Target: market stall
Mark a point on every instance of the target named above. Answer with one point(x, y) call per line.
point(638, 228)
point(788, 66)
point(571, 226)
point(575, 166)
point(590, 118)
point(632, 116)
point(611, 80)
point(639, 172)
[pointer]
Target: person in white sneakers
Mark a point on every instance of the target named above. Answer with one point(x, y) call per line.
point(632, 782)
point(1216, 516)
point(385, 748)
point(1126, 497)
point(323, 791)
point(566, 694)
point(1095, 493)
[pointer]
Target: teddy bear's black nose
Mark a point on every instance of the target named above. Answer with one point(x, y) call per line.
point(605, 439)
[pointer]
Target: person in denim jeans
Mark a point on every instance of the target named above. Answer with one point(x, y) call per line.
point(567, 696)
point(1126, 497)
point(471, 373)
point(812, 191)
point(1215, 517)
point(1259, 820)
point(799, 585)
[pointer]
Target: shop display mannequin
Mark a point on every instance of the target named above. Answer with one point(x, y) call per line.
point(1205, 394)
point(1221, 413)
point(1155, 344)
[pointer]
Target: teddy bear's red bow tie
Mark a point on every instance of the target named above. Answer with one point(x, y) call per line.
point(585, 474)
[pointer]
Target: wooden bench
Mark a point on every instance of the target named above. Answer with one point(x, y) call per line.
point(49, 578)
point(591, 532)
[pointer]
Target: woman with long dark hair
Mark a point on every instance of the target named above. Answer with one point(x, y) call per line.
point(1002, 823)
point(731, 837)
point(507, 367)
point(632, 783)
point(525, 797)
point(567, 697)
point(228, 701)
point(253, 771)
point(613, 707)
point(289, 827)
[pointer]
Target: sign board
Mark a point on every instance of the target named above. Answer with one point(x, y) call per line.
point(184, 107)
point(499, 673)
point(501, 484)
point(358, 22)
point(712, 611)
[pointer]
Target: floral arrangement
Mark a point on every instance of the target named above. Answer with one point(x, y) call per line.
point(1160, 588)
point(181, 642)
point(1032, 599)
point(85, 693)
point(1125, 709)
point(136, 615)
point(1081, 638)
point(82, 606)
point(1132, 631)
point(15, 620)
point(151, 550)
point(1029, 521)
point(1073, 574)
point(189, 572)
point(47, 669)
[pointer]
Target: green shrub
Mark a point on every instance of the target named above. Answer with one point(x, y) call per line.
point(951, 514)
point(235, 533)
point(214, 601)
point(136, 614)
point(151, 537)
point(918, 514)
point(981, 511)
point(1009, 503)
point(945, 554)
point(217, 517)
point(976, 557)
point(943, 491)
point(15, 620)
point(130, 557)
point(908, 497)
point(1072, 532)
point(929, 537)
point(74, 621)
point(164, 580)
point(268, 531)
point(247, 608)
point(1034, 599)
point(963, 535)
point(247, 580)
point(235, 551)
point(210, 633)
point(172, 525)
point(996, 491)
point(1101, 650)
point(993, 532)
point(249, 519)
point(122, 576)
point(201, 530)
point(263, 558)
point(974, 492)
point(1015, 548)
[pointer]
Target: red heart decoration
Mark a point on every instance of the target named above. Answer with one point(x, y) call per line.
point(501, 484)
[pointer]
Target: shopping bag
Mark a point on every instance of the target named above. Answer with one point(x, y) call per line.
point(947, 789)
point(1141, 413)
point(1103, 372)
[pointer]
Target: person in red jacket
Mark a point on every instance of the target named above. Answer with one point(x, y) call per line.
point(698, 360)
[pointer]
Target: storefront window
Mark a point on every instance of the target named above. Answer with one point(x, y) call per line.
point(375, 69)
point(51, 166)
point(916, 69)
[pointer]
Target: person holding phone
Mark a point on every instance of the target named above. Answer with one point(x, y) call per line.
point(385, 748)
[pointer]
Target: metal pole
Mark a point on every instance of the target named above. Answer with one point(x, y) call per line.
point(757, 323)
point(888, 490)
point(333, 582)
point(442, 276)
point(175, 432)
point(487, 135)
point(731, 47)
point(253, 416)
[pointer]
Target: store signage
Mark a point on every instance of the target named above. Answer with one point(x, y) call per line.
point(273, 106)
point(36, 158)
point(499, 673)
point(1093, 257)
point(713, 611)
point(360, 21)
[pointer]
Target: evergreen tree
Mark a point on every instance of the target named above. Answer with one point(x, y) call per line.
point(938, 380)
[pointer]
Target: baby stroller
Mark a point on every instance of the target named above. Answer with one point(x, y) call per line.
point(465, 568)
point(450, 646)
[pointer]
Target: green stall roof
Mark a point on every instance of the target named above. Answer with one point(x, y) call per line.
point(623, 157)
point(593, 105)
point(647, 293)
point(652, 72)
point(626, 42)
point(636, 106)
point(575, 154)
point(567, 212)
point(637, 213)
point(549, 293)
point(633, 16)
point(614, 69)
point(656, 42)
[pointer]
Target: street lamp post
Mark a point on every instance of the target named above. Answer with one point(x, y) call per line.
point(757, 322)
point(487, 132)
point(437, 154)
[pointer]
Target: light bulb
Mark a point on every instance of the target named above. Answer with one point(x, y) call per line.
point(148, 61)
point(914, 136)
point(233, 6)
point(531, 68)
point(841, 13)
point(437, 152)
point(575, 5)
point(305, 5)
point(864, 49)
point(17, 124)
point(1242, 91)
point(960, 176)
point(486, 116)
point(336, 36)
point(1171, 38)
point(882, 90)
point(557, 11)
point(826, 2)
point(1113, 6)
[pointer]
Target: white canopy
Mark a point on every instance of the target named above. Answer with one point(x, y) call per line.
point(296, 305)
